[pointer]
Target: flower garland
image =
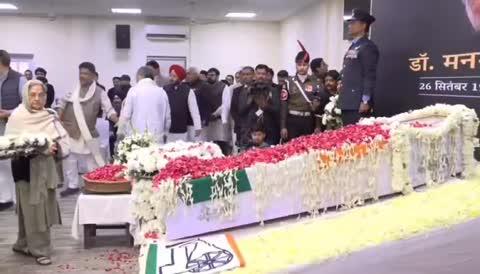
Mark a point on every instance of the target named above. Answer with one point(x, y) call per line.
point(319, 240)
point(22, 145)
point(325, 164)
point(223, 194)
point(309, 157)
point(153, 205)
point(195, 168)
point(438, 144)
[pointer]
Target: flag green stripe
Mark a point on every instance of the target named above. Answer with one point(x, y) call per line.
point(152, 259)
point(202, 188)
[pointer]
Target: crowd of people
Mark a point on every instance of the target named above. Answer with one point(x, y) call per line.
point(248, 110)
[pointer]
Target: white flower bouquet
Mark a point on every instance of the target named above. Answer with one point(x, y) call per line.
point(132, 143)
point(147, 161)
point(332, 115)
point(22, 145)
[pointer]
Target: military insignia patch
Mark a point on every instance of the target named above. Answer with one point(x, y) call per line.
point(284, 95)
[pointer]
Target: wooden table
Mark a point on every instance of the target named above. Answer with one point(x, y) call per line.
point(97, 212)
point(90, 233)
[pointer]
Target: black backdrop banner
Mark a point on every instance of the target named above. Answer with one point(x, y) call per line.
point(429, 53)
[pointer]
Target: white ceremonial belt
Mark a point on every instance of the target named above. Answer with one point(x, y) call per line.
point(300, 113)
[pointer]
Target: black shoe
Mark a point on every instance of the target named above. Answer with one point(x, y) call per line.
point(69, 191)
point(5, 206)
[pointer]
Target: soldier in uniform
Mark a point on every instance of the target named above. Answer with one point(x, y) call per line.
point(299, 101)
point(359, 70)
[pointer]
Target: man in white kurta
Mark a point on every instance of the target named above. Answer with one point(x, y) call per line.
point(79, 111)
point(146, 108)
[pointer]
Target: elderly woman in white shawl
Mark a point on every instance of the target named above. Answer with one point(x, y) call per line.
point(36, 177)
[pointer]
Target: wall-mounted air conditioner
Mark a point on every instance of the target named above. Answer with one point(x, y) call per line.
point(166, 32)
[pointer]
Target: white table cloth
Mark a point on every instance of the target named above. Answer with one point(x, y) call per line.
point(103, 210)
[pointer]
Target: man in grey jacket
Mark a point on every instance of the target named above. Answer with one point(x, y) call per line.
point(11, 86)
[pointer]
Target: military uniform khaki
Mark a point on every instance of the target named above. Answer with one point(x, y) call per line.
point(317, 83)
point(297, 115)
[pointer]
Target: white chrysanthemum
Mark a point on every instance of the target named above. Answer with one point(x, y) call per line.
point(149, 164)
point(161, 163)
point(5, 142)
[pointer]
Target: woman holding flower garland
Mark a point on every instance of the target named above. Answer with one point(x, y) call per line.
point(36, 177)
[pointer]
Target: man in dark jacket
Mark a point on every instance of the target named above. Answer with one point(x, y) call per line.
point(41, 74)
point(50, 91)
point(11, 87)
point(273, 105)
point(319, 71)
point(264, 113)
point(359, 70)
point(183, 104)
point(241, 105)
point(205, 107)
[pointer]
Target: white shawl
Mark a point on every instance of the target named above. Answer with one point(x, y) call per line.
point(76, 101)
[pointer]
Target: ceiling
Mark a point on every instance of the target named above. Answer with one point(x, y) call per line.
point(267, 10)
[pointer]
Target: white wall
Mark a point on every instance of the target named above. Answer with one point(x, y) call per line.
point(231, 45)
point(59, 46)
point(320, 28)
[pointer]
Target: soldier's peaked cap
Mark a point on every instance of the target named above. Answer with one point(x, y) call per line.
point(362, 16)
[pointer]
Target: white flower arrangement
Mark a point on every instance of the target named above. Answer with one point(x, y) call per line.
point(22, 145)
point(331, 118)
point(153, 206)
point(132, 143)
point(439, 144)
point(433, 146)
point(146, 162)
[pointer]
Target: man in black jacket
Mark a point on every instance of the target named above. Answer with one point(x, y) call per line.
point(41, 74)
point(359, 70)
point(273, 103)
point(205, 107)
point(183, 104)
point(241, 105)
point(264, 113)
